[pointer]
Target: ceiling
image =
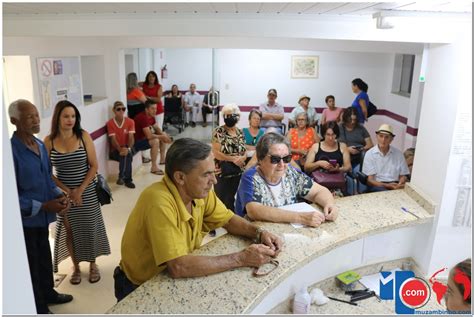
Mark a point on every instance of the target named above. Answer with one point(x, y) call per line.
point(238, 8)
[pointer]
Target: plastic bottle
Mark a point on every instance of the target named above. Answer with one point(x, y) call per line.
point(302, 301)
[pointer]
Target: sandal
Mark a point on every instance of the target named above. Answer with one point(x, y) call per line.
point(75, 277)
point(158, 172)
point(94, 274)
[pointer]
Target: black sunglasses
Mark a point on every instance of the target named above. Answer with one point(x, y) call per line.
point(274, 159)
point(120, 109)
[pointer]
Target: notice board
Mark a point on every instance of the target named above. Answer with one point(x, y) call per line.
point(59, 79)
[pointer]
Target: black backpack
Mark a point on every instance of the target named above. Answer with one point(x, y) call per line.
point(371, 109)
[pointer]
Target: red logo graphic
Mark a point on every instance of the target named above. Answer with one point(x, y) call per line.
point(438, 288)
point(461, 278)
point(414, 292)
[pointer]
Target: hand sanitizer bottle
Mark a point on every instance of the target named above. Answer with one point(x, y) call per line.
point(302, 301)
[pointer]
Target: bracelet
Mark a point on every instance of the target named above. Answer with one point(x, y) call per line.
point(258, 238)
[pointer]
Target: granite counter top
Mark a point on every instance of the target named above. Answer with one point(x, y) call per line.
point(237, 291)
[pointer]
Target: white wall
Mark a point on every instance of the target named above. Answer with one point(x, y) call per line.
point(186, 66)
point(93, 75)
point(446, 110)
point(18, 82)
point(18, 296)
point(249, 74)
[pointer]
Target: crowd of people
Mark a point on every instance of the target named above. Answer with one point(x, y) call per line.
point(243, 175)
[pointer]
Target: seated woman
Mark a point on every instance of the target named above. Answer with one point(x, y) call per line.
point(228, 147)
point(273, 183)
point(136, 99)
point(253, 133)
point(328, 155)
point(174, 92)
point(331, 113)
point(301, 138)
point(358, 141)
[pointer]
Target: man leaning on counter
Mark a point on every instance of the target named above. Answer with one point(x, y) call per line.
point(172, 216)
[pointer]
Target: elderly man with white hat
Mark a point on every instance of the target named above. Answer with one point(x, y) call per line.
point(384, 164)
point(303, 106)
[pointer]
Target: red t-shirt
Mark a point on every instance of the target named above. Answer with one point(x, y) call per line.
point(120, 132)
point(153, 92)
point(142, 120)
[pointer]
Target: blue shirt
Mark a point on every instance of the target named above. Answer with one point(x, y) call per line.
point(34, 183)
point(360, 115)
point(292, 188)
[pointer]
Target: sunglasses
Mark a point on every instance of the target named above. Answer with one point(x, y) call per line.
point(276, 159)
point(120, 109)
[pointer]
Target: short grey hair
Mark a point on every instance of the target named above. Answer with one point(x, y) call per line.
point(266, 142)
point(184, 155)
point(305, 115)
point(230, 107)
point(14, 108)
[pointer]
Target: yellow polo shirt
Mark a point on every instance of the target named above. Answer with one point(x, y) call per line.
point(160, 229)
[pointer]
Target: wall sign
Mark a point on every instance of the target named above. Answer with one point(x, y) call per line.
point(59, 79)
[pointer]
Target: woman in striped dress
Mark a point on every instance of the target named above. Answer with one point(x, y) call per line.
point(81, 233)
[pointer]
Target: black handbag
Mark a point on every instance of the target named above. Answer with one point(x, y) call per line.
point(229, 169)
point(371, 109)
point(102, 189)
point(104, 194)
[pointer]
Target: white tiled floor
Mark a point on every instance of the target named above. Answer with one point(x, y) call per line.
point(99, 297)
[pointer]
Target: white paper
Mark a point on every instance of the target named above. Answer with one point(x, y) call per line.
point(299, 207)
point(373, 281)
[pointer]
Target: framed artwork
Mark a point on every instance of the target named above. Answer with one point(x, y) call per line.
point(304, 66)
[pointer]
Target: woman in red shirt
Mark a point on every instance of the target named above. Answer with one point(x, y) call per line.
point(154, 91)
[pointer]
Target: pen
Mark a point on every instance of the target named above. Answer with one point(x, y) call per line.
point(342, 301)
point(406, 210)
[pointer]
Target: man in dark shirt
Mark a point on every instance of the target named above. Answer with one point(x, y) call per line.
point(40, 200)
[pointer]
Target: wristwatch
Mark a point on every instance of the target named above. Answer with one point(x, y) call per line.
point(258, 237)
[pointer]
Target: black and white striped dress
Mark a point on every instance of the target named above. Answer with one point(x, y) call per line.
point(89, 237)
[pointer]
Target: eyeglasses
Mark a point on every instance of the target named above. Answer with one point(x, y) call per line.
point(120, 109)
point(274, 159)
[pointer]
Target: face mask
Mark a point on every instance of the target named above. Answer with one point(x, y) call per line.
point(231, 121)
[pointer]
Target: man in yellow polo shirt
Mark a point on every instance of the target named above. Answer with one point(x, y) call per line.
point(172, 216)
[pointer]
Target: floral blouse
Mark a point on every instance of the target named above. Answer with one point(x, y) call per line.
point(293, 187)
point(230, 144)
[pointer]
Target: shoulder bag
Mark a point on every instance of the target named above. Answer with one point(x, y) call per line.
point(371, 109)
point(102, 189)
point(330, 180)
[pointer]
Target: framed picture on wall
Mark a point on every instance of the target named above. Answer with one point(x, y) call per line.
point(304, 66)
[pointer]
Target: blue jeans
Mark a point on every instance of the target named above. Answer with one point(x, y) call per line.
point(351, 190)
point(373, 189)
point(125, 165)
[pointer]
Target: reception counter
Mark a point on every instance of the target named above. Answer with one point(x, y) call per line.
point(371, 228)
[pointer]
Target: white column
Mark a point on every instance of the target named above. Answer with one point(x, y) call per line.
point(18, 291)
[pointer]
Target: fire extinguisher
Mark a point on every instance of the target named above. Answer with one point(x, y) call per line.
point(164, 72)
